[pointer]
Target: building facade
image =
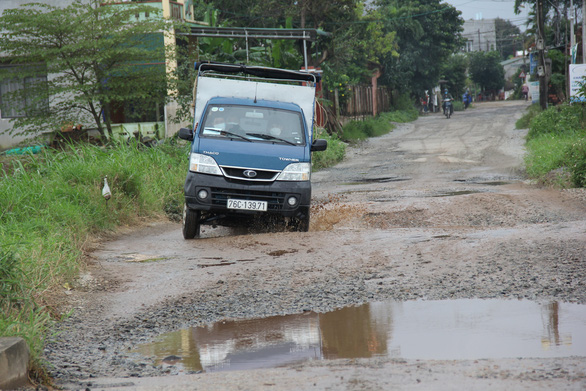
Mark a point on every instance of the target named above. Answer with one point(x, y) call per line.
point(172, 9)
point(480, 35)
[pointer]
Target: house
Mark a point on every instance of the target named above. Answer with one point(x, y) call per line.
point(8, 111)
point(173, 9)
point(480, 35)
point(511, 66)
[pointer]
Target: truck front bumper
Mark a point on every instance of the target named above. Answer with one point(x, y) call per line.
point(219, 189)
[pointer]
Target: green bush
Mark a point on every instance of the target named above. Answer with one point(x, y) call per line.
point(400, 116)
point(525, 120)
point(332, 155)
point(357, 130)
point(458, 106)
point(556, 141)
point(575, 157)
point(546, 154)
point(557, 120)
point(403, 103)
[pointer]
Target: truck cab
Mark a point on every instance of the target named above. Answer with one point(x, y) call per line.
point(251, 147)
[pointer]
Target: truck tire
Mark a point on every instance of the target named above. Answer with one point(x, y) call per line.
point(191, 224)
point(302, 224)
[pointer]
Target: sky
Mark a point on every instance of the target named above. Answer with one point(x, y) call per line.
point(486, 9)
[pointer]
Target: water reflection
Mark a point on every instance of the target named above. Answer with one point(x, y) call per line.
point(454, 329)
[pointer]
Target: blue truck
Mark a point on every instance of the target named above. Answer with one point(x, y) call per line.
point(251, 148)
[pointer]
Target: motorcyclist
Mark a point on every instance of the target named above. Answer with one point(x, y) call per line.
point(445, 98)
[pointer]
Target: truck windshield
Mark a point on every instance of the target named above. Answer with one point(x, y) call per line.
point(246, 123)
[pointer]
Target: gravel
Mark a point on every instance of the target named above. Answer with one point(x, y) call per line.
point(372, 241)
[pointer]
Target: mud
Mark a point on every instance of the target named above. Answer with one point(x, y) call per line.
point(437, 210)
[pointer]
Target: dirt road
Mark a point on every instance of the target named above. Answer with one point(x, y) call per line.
point(436, 210)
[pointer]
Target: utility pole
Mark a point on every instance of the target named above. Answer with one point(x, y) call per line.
point(571, 45)
point(541, 69)
point(479, 47)
point(583, 28)
point(572, 21)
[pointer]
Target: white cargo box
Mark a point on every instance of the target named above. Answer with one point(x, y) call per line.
point(211, 87)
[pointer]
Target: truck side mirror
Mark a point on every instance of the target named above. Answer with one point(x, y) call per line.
point(186, 134)
point(319, 145)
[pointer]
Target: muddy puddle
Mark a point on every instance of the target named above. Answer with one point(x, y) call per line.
point(443, 330)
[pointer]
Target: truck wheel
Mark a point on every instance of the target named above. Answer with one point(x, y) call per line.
point(302, 223)
point(191, 223)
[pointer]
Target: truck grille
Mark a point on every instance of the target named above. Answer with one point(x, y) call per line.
point(261, 175)
point(274, 200)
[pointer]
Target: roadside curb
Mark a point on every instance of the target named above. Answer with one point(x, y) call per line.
point(14, 357)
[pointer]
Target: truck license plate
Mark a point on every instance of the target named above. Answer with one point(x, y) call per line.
point(247, 205)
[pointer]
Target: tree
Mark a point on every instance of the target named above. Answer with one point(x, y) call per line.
point(486, 70)
point(454, 72)
point(332, 16)
point(95, 58)
point(428, 33)
point(508, 38)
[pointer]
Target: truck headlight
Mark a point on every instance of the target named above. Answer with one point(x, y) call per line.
point(295, 172)
point(204, 164)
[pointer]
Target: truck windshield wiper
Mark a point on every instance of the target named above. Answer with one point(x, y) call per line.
point(269, 137)
point(226, 133)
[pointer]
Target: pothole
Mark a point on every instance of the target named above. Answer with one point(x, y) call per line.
point(377, 180)
point(436, 330)
point(456, 193)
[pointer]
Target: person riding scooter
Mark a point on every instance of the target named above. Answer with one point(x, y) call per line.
point(445, 99)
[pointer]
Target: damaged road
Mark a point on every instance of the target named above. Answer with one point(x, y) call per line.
point(436, 210)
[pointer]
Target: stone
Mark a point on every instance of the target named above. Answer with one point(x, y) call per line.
point(14, 359)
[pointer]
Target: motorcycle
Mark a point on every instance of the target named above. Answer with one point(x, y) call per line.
point(448, 108)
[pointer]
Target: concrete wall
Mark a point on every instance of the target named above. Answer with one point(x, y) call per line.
point(14, 358)
point(480, 35)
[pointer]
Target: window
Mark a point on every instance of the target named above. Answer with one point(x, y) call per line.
point(20, 97)
point(254, 124)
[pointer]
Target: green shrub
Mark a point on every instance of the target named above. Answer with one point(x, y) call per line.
point(556, 141)
point(353, 131)
point(403, 103)
point(557, 120)
point(546, 154)
point(10, 278)
point(525, 120)
point(458, 106)
point(575, 156)
point(332, 155)
point(357, 130)
point(400, 116)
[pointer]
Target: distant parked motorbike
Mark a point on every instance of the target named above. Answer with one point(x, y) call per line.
point(448, 108)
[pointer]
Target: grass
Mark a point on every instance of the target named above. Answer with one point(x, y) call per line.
point(332, 155)
point(525, 121)
point(356, 130)
point(556, 145)
point(51, 204)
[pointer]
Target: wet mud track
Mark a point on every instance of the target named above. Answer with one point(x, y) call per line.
point(436, 210)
